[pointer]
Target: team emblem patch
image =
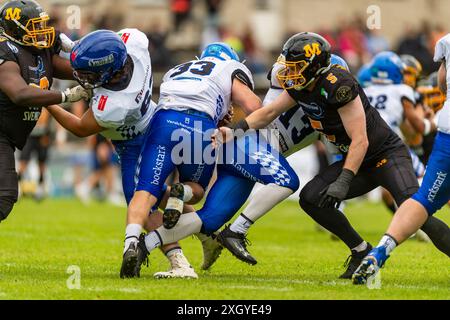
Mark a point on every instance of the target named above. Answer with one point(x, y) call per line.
point(344, 94)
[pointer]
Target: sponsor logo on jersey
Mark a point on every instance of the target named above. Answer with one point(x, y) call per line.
point(102, 103)
point(13, 48)
point(157, 169)
point(101, 61)
point(440, 179)
point(313, 109)
point(312, 50)
point(13, 13)
point(125, 37)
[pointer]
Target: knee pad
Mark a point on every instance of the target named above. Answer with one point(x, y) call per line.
point(6, 206)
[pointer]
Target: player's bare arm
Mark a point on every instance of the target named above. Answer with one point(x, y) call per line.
point(258, 119)
point(442, 75)
point(243, 96)
point(62, 68)
point(354, 120)
point(419, 124)
point(81, 127)
point(20, 93)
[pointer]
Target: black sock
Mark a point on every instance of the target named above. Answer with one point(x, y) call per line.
point(334, 221)
point(439, 234)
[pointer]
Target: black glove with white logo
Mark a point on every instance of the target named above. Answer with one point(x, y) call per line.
point(332, 195)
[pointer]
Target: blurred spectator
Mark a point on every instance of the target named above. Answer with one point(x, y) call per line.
point(181, 10)
point(352, 44)
point(159, 53)
point(415, 43)
point(376, 42)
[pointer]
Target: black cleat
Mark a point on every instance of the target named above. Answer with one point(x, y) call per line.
point(353, 261)
point(236, 243)
point(174, 207)
point(130, 258)
point(143, 254)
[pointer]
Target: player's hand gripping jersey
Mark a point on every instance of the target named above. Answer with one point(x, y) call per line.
point(127, 113)
point(387, 99)
point(203, 85)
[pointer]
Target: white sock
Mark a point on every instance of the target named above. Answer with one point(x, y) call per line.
point(361, 247)
point(264, 200)
point(132, 233)
point(188, 224)
point(389, 243)
point(188, 193)
point(152, 241)
point(172, 252)
point(241, 224)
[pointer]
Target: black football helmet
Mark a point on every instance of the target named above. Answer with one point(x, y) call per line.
point(432, 95)
point(413, 70)
point(305, 56)
point(25, 22)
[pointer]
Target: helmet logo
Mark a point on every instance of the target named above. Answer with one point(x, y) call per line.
point(102, 61)
point(13, 13)
point(312, 50)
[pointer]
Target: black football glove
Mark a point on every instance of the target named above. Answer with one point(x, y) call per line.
point(332, 195)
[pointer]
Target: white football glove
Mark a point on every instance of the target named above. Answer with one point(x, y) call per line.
point(76, 94)
point(66, 43)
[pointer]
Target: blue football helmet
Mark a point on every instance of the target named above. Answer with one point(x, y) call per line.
point(97, 57)
point(335, 59)
point(387, 67)
point(365, 75)
point(221, 51)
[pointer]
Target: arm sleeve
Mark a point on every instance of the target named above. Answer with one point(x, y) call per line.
point(408, 93)
point(6, 52)
point(442, 50)
point(244, 75)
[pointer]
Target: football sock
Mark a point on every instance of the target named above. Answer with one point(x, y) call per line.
point(189, 224)
point(188, 193)
point(361, 247)
point(334, 221)
point(262, 202)
point(388, 242)
point(241, 225)
point(152, 241)
point(132, 233)
point(439, 234)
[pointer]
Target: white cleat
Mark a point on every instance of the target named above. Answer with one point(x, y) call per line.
point(180, 268)
point(211, 250)
point(421, 236)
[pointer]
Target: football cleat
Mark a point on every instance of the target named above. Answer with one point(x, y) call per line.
point(174, 207)
point(370, 266)
point(142, 257)
point(180, 268)
point(353, 261)
point(129, 261)
point(211, 250)
point(236, 243)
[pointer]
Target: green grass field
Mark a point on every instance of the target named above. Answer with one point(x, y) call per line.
point(40, 241)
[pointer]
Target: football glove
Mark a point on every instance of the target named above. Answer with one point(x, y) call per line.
point(333, 194)
point(76, 94)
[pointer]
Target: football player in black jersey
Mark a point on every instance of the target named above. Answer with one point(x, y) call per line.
point(338, 109)
point(29, 59)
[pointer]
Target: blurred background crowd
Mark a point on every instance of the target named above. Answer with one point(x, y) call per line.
point(256, 29)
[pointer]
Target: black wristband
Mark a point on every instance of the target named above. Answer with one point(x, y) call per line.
point(241, 125)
